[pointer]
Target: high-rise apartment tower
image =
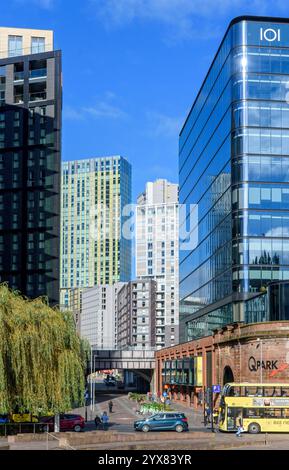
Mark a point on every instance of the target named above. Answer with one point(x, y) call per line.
point(30, 146)
point(157, 254)
point(94, 247)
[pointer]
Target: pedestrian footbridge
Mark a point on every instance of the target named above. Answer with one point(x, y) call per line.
point(122, 359)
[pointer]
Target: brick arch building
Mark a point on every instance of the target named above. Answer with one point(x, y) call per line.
point(257, 352)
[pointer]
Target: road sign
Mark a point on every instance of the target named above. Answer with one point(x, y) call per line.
point(216, 388)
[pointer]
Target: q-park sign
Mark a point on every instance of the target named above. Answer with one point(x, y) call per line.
point(255, 365)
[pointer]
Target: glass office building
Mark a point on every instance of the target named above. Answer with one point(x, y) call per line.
point(234, 168)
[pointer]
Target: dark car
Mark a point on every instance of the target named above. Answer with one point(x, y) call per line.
point(68, 422)
point(110, 382)
point(172, 421)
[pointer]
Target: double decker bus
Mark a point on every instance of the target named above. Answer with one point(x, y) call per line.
point(262, 407)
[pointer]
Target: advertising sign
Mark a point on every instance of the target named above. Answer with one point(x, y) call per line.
point(198, 371)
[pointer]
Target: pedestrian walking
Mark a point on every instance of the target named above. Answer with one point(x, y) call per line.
point(207, 415)
point(215, 416)
point(97, 421)
point(104, 420)
point(240, 427)
point(110, 406)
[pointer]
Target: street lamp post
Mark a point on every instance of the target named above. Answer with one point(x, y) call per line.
point(91, 382)
point(93, 393)
point(261, 362)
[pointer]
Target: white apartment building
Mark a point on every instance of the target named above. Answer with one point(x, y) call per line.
point(157, 254)
point(136, 315)
point(98, 316)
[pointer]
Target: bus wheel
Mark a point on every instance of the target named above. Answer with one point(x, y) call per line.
point(254, 428)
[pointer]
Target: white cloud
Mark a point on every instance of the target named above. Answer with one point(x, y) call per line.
point(181, 16)
point(103, 108)
point(73, 114)
point(163, 125)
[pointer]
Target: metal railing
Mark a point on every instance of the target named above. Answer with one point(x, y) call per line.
point(18, 76)
point(10, 429)
point(38, 73)
point(67, 446)
point(19, 99)
point(40, 96)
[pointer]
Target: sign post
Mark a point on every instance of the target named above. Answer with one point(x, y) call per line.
point(214, 389)
point(212, 408)
point(86, 397)
point(208, 410)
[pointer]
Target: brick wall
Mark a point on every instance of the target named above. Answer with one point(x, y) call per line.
point(254, 353)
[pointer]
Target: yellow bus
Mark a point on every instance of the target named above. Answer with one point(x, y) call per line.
point(262, 407)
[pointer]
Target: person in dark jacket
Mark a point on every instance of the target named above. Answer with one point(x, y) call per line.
point(97, 421)
point(110, 406)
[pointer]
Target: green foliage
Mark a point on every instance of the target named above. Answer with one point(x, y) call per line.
point(137, 396)
point(154, 407)
point(85, 351)
point(41, 363)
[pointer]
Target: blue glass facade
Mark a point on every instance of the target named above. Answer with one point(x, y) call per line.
point(234, 167)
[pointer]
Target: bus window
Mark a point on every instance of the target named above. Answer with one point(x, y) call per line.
point(273, 413)
point(284, 392)
point(230, 391)
point(251, 391)
point(272, 392)
point(253, 413)
point(285, 412)
point(232, 416)
point(235, 392)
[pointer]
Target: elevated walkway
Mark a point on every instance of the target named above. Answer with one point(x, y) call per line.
point(123, 359)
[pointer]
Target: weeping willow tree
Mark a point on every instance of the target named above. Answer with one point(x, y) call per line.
point(41, 356)
point(85, 351)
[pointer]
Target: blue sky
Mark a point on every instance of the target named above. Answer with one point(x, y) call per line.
point(131, 70)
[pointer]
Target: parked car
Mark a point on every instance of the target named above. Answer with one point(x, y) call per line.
point(68, 422)
point(110, 381)
point(172, 421)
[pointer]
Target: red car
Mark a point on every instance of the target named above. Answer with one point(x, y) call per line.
point(68, 422)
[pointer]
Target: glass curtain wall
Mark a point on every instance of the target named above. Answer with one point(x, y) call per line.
point(234, 167)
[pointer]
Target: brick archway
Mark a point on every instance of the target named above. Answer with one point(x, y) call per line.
point(228, 375)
